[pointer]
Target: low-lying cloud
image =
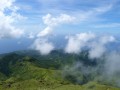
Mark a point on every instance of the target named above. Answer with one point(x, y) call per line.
point(106, 70)
point(112, 64)
point(77, 42)
point(98, 47)
point(43, 46)
point(95, 44)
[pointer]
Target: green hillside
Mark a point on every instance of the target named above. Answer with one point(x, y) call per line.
point(28, 70)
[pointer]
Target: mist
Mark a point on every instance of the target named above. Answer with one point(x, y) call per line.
point(105, 69)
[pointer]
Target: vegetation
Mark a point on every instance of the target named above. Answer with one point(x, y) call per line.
point(28, 70)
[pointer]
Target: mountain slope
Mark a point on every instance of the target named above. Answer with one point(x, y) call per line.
point(28, 70)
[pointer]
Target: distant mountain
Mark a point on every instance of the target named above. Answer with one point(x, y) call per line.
point(25, 70)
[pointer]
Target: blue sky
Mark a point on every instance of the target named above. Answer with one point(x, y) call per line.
point(104, 21)
point(33, 20)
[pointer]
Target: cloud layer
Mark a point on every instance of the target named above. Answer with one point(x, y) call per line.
point(7, 28)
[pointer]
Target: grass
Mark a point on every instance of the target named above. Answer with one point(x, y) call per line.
point(36, 85)
point(25, 73)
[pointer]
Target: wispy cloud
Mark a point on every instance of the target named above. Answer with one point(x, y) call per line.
point(110, 25)
point(85, 11)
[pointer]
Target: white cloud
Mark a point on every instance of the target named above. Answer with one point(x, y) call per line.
point(43, 46)
point(98, 48)
point(45, 32)
point(103, 9)
point(95, 44)
point(77, 42)
point(91, 14)
point(110, 25)
point(52, 22)
point(7, 29)
point(5, 4)
point(107, 39)
point(112, 63)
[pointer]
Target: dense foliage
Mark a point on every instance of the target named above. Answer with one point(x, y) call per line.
point(28, 70)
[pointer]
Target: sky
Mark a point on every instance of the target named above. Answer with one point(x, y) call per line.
point(92, 15)
point(32, 20)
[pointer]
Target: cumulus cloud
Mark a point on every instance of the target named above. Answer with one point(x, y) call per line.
point(98, 48)
point(5, 4)
point(95, 44)
point(77, 42)
point(7, 29)
point(10, 32)
point(43, 46)
point(52, 22)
